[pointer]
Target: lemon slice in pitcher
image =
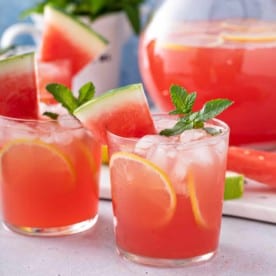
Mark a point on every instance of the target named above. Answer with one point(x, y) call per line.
point(250, 37)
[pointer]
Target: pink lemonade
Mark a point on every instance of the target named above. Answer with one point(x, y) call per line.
point(49, 176)
point(167, 194)
point(218, 59)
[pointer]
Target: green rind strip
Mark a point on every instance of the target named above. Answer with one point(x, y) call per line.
point(18, 63)
point(110, 100)
point(86, 37)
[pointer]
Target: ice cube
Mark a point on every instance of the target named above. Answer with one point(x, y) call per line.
point(166, 157)
point(149, 141)
point(178, 173)
point(54, 108)
point(63, 137)
point(68, 128)
point(203, 155)
point(159, 155)
point(193, 135)
point(68, 121)
point(164, 122)
point(158, 149)
point(220, 149)
point(20, 130)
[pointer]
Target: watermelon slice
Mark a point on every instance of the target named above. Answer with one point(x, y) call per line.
point(66, 37)
point(123, 111)
point(255, 164)
point(18, 91)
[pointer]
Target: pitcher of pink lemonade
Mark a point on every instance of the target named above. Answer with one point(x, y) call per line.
point(221, 49)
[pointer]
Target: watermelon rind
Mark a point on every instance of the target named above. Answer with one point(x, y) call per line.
point(110, 100)
point(83, 35)
point(18, 90)
point(17, 63)
point(123, 111)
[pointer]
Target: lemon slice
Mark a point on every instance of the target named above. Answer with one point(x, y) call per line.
point(35, 163)
point(183, 44)
point(194, 201)
point(90, 154)
point(105, 158)
point(206, 196)
point(254, 37)
point(142, 193)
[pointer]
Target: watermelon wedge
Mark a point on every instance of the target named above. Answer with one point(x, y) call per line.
point(18, 91)
point(255, 164)
point(123, 111)
point(66, 37)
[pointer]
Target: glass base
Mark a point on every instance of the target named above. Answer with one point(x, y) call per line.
point(160, 262)
point(53, 231)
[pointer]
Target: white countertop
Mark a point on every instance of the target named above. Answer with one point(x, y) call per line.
point(246, 248)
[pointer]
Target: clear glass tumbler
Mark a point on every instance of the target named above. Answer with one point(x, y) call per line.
point(167, 194)
point(49, 176)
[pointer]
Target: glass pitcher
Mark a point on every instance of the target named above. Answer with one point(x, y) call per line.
point(220, 49)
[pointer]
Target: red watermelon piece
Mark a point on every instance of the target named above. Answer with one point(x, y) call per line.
point(66, 37)
point(254, 164)
point(123, 111)
point(18, 91)
point(58, 71)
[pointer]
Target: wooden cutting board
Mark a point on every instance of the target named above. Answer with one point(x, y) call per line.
point(258, 201)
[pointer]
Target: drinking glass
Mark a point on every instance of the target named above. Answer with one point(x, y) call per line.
point(167, 194)
point(49, 176)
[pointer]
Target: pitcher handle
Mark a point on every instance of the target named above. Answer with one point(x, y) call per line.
point(11, 33)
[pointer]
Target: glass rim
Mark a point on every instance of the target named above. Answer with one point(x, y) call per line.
point(16, 122)
point(218, 122)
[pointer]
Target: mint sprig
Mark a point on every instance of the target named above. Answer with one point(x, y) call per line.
point(183, 102)
point(65, 96)
point(93, 9)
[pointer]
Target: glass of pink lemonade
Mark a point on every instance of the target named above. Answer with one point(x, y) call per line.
point(49, 176)
point(167, 193)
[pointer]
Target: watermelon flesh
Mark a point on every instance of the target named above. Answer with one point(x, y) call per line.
point(18, 91)
point(65, 37)
point(58, 71)
point(123, 111)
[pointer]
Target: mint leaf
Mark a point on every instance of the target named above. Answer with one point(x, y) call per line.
point(189, 102)
point(93, 9)
point(182, 101)
point(51, 115)
point(212, 131)
point(178, 97)
point(86, 93)
point(177, 129)
point(213, 108)
point(63, 95)
point(189, 119)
